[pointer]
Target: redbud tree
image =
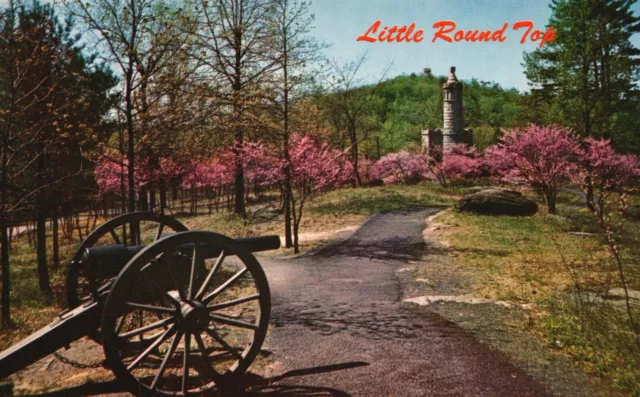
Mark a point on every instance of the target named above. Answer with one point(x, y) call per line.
point(608, 171)
point(542, 158)
point(315, 167)
point(400, 167)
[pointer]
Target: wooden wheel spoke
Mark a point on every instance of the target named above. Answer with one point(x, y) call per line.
point(167, 357)
point(234, 302)
point(120, 323)
point(223, 343)
point(135, 233)
point(115, 237)
point(196, 261)
point(224, 286)
point(166, 335)
point(124, 234)
point(205, 358)
point(185, 361)
point(159, 233)
point(150, 327)
point(213, 271)
point(149, 308)
point(233, 322)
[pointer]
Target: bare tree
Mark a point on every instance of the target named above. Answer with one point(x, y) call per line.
point(235, 40)
point(348, 101)
point(139, 38)
point(295, 53)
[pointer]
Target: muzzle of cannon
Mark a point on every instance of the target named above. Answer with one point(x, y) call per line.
point(178, 312)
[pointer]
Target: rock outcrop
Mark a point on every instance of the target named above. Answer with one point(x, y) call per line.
point(498, 202)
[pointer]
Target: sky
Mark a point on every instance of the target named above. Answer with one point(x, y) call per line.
point(339, 22)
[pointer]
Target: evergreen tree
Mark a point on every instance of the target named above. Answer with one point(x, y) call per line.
point(589, 72)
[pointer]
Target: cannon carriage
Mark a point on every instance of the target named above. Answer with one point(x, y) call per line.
point(178, 312)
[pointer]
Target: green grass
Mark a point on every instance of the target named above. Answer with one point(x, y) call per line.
point(535, 260)
point(373, 200)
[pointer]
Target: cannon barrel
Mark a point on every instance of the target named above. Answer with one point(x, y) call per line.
point(116, 256)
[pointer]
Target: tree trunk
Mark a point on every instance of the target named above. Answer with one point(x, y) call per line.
point(6, 274)
point(163, 196)
point(152, 200)
point(143, 202)
point(354, 156)
point(239, 207)
point(41, 242)
point(131, 207)
point(41, 228)
point(296, 226)
point(590, 197)
point(551, 203)
point(288, 243)
point(56, 239)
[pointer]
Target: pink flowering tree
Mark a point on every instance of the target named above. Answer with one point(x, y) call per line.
point(366, 169)
point(109, 172)
point(401, 167)
point(315, 167)
point(603, 172)
point(458, 162)
point(261, 166)
point(462, 162)
point(543, 158)
point(609, 172)
point(433, 163)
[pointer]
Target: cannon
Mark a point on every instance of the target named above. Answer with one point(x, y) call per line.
point(178, 312)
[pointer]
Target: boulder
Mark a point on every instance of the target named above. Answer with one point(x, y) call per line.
point(497, 202)
point(633, 212)
point(374, 183)
point(478, 189)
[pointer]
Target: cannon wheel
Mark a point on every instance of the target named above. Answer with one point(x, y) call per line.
point(81, 284)
point(201, 329)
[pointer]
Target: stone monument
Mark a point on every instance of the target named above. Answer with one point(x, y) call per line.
point(453, 130)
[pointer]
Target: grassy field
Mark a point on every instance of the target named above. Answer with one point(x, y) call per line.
point(557, 265)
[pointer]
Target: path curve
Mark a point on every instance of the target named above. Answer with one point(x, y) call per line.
point(342, 305)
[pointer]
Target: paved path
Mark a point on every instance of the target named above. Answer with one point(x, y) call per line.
point(341, 305)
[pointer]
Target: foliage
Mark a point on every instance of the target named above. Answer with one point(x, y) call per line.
point(400, 108)
point(541, 158)
point(462, 162)
point(458, 162)
point(52, 102)
point(400, 167)
point(608, 171)
point(587, 77)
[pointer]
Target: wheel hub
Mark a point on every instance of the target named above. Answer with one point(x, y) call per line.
point(193, 316)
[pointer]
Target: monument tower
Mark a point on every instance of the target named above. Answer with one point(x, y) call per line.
point(453, 115)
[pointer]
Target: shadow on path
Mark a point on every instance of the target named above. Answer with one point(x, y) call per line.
point(249, 385)
point(387, 241)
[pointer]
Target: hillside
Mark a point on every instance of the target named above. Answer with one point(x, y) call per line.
point(405, 105)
